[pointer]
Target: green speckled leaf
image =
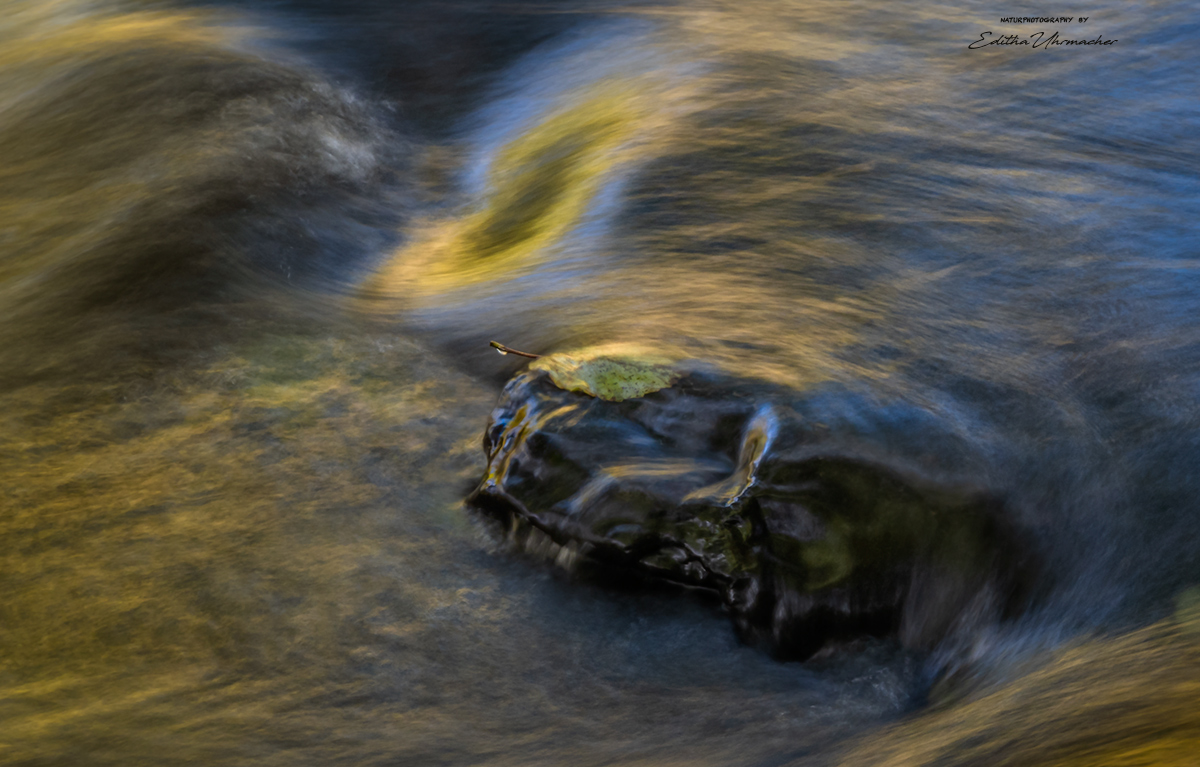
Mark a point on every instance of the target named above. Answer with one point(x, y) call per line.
point(609, 375)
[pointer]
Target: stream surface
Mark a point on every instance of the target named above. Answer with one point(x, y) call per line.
point(252, 255)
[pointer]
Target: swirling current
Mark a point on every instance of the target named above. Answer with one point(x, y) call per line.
point(923, 489)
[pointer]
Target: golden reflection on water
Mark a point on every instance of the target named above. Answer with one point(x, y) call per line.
point(527, 244)
point(1123, 700)
point(234, 474)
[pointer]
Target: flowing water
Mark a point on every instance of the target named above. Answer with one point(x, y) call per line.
point(251, 256)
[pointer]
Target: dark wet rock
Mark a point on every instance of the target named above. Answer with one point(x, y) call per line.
point(739, 488)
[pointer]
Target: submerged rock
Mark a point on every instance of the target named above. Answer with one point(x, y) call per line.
point(730, 486)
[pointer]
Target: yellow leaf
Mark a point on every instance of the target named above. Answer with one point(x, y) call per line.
point(610, 373)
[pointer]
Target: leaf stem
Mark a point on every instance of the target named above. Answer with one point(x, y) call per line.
point(505, 350)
